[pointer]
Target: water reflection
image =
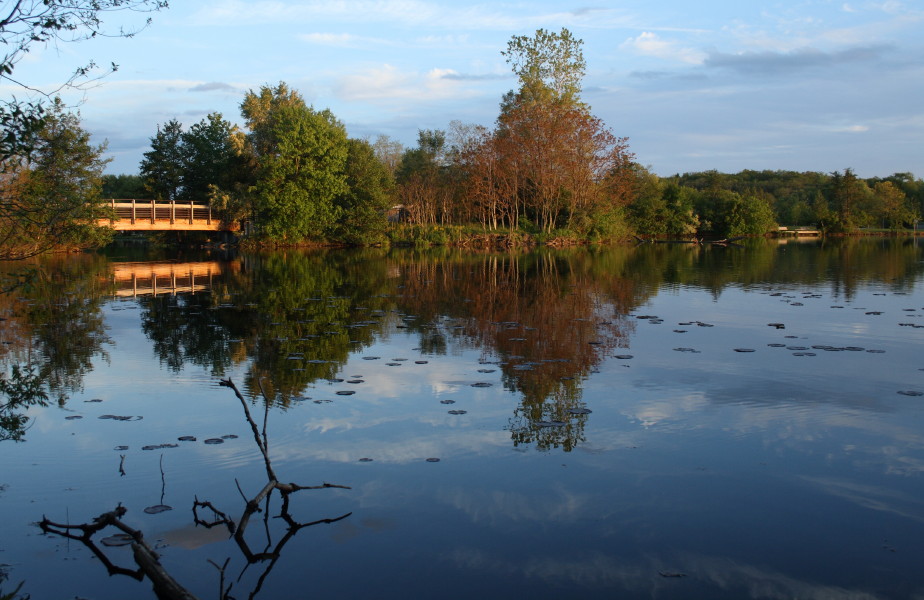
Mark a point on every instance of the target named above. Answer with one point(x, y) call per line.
point(767, 474)
point(546, 320)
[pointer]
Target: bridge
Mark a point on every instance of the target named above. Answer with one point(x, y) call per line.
point(152, 215)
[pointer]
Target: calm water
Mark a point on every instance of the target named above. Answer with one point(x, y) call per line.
point(624, 423)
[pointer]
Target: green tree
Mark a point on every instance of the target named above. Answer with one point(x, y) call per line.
point(162, 165)
point(124, 186)
point(54, 200)
point(549, 65)
point(892, 205)
point(301, 157)
point(207, 153)
point(370, 188)
point(844, 195)
point(680, 218)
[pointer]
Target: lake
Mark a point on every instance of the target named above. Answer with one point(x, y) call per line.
point(666, 420)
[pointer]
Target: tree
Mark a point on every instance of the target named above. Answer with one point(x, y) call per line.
point(845, 193)
point(550, 65)
point(123, 186)
point(25, 23)
point(54, 198)
point(567, 167)
point(892, 205)
point(207, 153)
point(389, 152)
point(422, 188)
point(301, 157)
point(162, 165)
point(370, 186)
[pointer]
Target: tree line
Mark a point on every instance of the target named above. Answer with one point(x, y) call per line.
point(547, 169)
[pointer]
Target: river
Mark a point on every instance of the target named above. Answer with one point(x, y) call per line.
point(666, 420)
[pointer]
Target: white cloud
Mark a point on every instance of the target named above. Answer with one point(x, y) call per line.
point(342, 40)
point(387, 82)
point(650, 44)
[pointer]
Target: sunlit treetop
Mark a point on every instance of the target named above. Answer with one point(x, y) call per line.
point(550, 65)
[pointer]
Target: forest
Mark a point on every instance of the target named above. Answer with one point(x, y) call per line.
point(548, 171)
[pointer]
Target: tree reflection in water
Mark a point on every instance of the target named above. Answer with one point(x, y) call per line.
point(53, 329)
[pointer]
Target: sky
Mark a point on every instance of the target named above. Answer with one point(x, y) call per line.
point(804, 85)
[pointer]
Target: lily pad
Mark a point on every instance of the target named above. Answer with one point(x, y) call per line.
point(345, 393)
point(157, 508)
point(482, 384)
point(910, 393)
point(433, 460)
point(745, 350)
point(447, 401)
point(579, 411)
point(365, 459)
point(457, 412)
point(159, 446)
point(187, 438)
point(213, 441)
point(118, 539)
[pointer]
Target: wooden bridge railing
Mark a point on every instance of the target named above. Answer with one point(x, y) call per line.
point(151, 215)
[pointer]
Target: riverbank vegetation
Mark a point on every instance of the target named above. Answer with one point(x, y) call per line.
point(547, 172)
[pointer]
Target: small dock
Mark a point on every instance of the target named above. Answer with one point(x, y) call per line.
point(798, 232)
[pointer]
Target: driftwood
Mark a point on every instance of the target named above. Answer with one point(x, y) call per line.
point(167, 588)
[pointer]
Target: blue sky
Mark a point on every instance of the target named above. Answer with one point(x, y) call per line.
point(729, 85)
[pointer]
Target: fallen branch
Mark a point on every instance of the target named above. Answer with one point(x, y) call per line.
point(165, 586)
